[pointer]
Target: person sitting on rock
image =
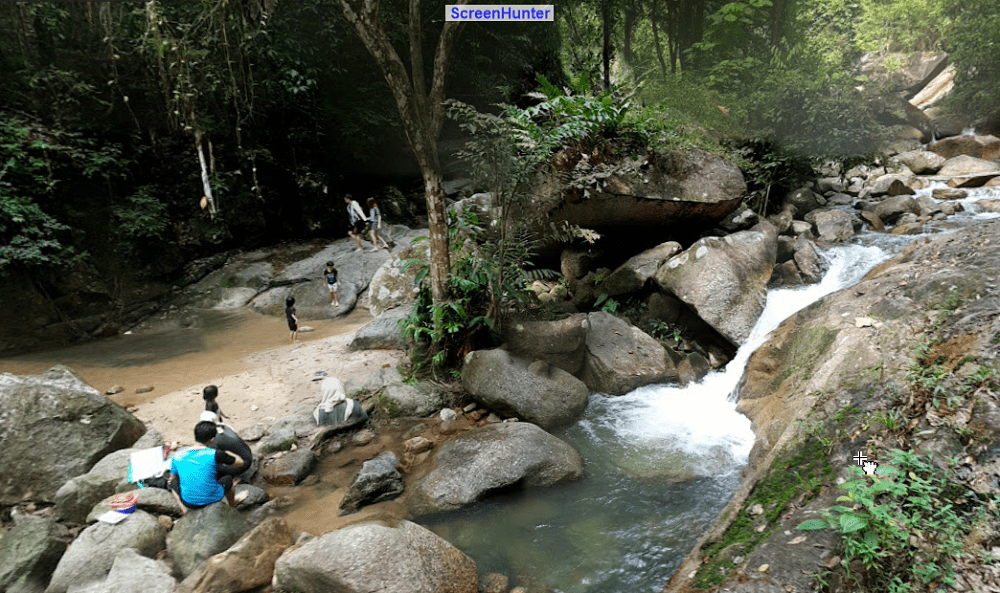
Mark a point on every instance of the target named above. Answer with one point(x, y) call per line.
point(194, 475)
point(229, 440)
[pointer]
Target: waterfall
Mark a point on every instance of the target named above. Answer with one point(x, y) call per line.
point(696, 430)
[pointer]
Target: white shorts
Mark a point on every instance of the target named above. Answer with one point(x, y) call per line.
point(333, 287)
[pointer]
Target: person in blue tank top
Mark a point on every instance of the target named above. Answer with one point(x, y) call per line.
point(194, 475)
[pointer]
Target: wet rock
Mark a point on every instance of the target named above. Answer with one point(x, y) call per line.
point(664, 307)
point(832, 225)
point(55, 427)
point(941, 193)
point(692, 368)
point(621, 357)
point(786, 249)
point(494, 583)
point(248, 564)
point(29, 552)
point(786, 274)
point(352, 558)
point(92, 554)
point(382, 333)
point(561, 343)
point(290, 468)
point(807, 259)
point(741, 220)
point(724, 280)
point(539, 393)
point(202, 533)
point(873, 220)
point(377, 481)
point(480, 461)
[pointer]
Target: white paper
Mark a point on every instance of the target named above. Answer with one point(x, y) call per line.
point(147, 463)
point(112, 517)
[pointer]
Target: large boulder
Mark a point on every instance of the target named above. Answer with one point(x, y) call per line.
point(967, 165)
point(92, 554)
point(392, 284)
point(132, 572)
point(805, 201)
point(632, 275)
point(986, 148)
point(561, 343)
point(202, 533)
point(921, 162)
point(156, 501)
point(78, 496)
point(725, 280)
point(904, 72)
point(890, 209)
point(382, 333)
point(378, 480)
point(290, 468)
point(422, 399)
point(621, 357)
point(689, 185)
point(383, 556)
point(54, 427)
point(29, 552)
point(832, 225)
point(248, 564)
point(534, 391)
point(493, 457)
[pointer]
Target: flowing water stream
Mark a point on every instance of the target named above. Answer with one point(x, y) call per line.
point(661, 462)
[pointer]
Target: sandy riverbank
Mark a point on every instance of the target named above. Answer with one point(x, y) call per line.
point(261, 377)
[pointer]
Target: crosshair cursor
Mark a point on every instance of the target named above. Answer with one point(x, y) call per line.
point(869, 468)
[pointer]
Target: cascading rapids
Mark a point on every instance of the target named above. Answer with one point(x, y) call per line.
point(690, 431)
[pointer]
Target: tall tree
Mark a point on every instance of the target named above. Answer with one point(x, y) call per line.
point(420, 107)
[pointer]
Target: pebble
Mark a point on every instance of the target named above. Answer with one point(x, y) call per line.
point(114, 389)
point(469, 407)
point(144, 389)
point(363, 437)
point(763, 567)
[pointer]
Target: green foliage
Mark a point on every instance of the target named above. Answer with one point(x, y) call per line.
point(901, 25)
point(606, 304)
point(562, 117)
point(35, 163)
point(906, 519)
point(972, 38)
point(770, 172)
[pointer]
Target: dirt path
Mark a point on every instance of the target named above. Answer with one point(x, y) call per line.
point(261, 377)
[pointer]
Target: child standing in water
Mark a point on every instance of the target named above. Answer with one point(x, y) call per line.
point(293, 320)
point(332, 283)
point(375, 216)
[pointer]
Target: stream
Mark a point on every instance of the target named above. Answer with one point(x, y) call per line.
point(661, 462)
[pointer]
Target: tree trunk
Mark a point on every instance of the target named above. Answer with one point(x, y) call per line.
point(209, 198)
point(420, 109)
point(654, 19)
point(606, 53)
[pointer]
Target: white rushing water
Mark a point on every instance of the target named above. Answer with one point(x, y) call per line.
point(700, 420)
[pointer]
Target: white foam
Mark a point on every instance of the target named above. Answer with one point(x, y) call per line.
point(700, 419)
